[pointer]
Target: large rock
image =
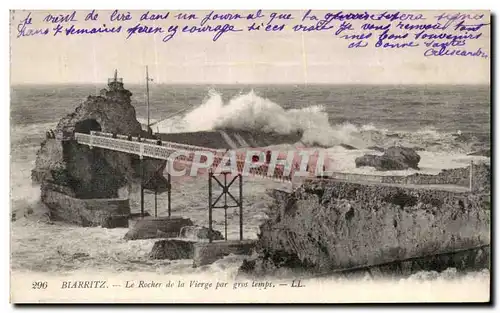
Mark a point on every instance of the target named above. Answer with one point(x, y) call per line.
point(164, 227)
point(199, 232)
point(328, 225)
point(209, 252)
point(172, 250)
point(394, 158)
point(80, 172)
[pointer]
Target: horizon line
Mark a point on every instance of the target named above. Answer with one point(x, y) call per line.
point(252, 84)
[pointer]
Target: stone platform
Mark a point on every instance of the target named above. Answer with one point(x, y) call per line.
point(209, 252)
point(108, 213)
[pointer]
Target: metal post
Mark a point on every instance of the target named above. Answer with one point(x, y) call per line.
point(241, 206)
point(147, 93)
point(225, 205)
point(169, 193)
point(470, 175)
point(156, 205)
point(142, 187)
point(210, 206)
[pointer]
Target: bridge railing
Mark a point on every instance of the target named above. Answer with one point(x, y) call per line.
point(173, 145)
point(186, 156)
point(152, 148)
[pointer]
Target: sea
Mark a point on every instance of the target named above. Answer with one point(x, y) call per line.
point(444, 123)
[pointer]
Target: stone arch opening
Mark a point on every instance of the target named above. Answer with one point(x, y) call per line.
point(88, 125)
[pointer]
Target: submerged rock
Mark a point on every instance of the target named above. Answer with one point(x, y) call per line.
point(199, 232)
point(484, 152)
point(172, 250)
point(394, 158)
point(168, 227)
point(348, 147)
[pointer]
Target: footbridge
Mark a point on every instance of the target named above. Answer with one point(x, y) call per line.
point(180, 153)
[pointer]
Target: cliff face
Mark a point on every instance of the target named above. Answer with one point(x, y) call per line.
point(329, 225)
point(93, 173)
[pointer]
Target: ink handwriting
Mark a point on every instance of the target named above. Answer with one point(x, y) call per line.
point(441, 34)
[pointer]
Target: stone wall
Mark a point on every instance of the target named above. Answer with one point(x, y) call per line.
point(85, 212)
point(458, 176)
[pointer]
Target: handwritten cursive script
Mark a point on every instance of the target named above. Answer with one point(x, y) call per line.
point(448, 34)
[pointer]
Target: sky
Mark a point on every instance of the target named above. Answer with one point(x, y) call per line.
point(259, 57)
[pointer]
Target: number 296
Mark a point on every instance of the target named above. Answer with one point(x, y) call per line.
point(39, 285)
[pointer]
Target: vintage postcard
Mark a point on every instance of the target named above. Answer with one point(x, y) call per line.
point(253, 156)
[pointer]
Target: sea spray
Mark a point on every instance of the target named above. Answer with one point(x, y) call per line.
point(252, 112)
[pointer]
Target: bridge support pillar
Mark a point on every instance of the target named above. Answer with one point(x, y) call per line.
point(169, 194)
point(142, 186)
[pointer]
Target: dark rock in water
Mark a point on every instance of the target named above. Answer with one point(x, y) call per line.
point(485, 152)
point(395, 135)
point(79, 255)
point(348, 147)
point(115, 221)
point(148, 228)
point(199, 232)
point(394, 158)
point(172, 250)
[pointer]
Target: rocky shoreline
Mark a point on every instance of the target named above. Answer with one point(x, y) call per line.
point(327, 226)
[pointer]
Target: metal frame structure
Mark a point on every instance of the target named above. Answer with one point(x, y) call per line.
point(224, 194)
point(169, 192)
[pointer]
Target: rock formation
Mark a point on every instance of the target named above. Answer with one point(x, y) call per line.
point(348, 147)
point(328, 225)
point(172, 250)
point(199, 232)
point(394, 158)
point(67, 168)
point(165, 227)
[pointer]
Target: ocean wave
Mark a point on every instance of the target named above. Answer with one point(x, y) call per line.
point(251, 112)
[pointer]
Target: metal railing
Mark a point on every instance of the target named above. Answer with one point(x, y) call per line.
point(163, 150)
point(185, 155)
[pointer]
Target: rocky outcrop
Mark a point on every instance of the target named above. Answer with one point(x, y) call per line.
point(161, 227)
point(199, 232)
point(75, 170)
point(394, 158)
point(376, 148)
point(348, 147)
point(327, 225)
point(172, 250)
